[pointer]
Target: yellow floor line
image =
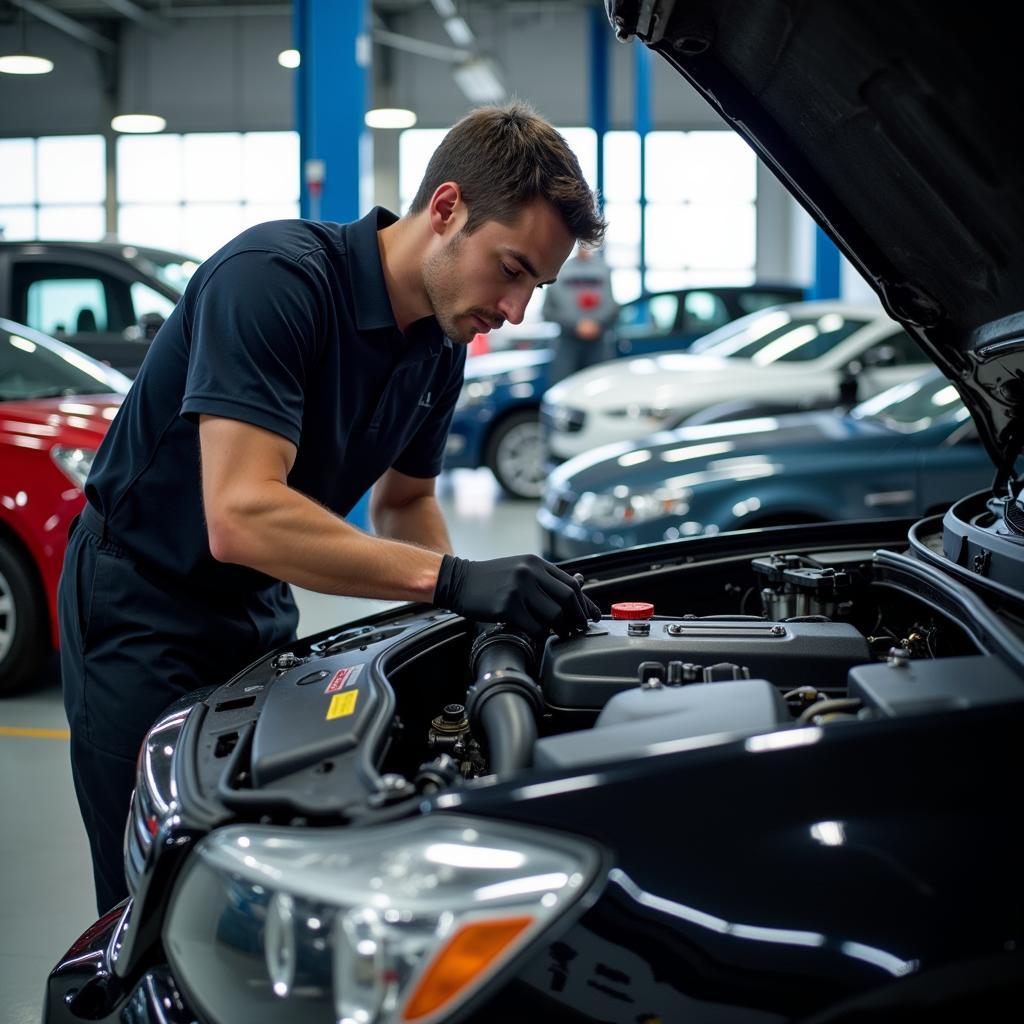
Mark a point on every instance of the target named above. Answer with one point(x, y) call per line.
point(38, 734)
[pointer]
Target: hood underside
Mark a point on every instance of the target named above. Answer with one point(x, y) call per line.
point(894, 124)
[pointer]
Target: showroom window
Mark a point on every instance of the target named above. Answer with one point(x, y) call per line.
point(53, 187)
point(194, 192)
point(701, 192)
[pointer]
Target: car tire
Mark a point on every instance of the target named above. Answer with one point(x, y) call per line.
point(515, 454)
point(24, 644)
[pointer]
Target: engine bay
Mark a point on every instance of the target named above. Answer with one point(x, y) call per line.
point(705, 650)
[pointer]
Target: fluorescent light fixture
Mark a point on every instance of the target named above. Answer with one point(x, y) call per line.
point(459, 32)
point(444, 8)
point(389, 117)
point(24, 64)
point(138, 124)
point(478, 79)
point(289, 58)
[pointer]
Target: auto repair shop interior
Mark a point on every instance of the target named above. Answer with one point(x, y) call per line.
point(759, 343)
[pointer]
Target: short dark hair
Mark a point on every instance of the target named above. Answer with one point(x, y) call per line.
point(504, 158)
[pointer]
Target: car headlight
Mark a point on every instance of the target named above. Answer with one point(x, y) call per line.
point(640, 413)
point(396, 922)
point(474, 391)
point(74, 463)
point(624, 507)
point(155, 799)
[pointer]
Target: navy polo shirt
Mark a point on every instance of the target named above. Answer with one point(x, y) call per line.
point(288, 327)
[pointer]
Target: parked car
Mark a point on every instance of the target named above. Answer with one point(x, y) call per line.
point(668, 321)
point(785, 359)
point(911, 450)
point(497, 421)
point(803, 813)
point(105, 299)
point(55, 407)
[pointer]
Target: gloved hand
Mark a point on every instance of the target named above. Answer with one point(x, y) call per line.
point(524, 591)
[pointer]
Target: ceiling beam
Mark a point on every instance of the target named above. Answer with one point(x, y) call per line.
point(133, 12)
point(64, 24)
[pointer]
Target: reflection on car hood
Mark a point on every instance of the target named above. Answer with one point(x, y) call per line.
point(685, 450)
point(898, 133)
point(495, 363)
point(77, 420)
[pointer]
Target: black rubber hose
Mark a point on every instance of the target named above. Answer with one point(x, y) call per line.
point(511, 731)
point(504, 701)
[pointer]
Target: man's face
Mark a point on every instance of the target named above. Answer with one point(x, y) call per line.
point(476, 282)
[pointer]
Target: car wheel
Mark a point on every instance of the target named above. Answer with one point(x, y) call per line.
point(23, 637)
point(515, 454)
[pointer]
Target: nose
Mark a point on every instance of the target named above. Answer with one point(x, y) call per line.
point(512, 307)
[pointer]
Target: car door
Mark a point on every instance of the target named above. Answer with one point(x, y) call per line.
point(87, 304)
point(956, 466)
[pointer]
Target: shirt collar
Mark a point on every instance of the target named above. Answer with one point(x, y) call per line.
point(369, 292)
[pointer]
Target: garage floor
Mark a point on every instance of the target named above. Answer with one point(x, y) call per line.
point(46, 891)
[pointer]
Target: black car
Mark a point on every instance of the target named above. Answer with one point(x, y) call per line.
point(104, 298)
point(777, 782)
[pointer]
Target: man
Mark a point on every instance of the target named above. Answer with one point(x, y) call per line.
point(305, 363)
point(581, 303)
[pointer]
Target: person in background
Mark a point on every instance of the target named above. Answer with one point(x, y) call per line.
point(581, 303)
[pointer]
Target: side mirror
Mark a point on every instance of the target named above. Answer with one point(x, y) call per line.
point(880, 355)
point(149, 324)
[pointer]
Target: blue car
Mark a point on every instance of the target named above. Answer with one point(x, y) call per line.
point(496, 422)
point(909, 451)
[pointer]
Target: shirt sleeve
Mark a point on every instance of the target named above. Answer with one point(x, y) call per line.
point(423, 456)
point(254, 329)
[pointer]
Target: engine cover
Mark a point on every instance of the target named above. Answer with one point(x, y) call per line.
point(584, 672)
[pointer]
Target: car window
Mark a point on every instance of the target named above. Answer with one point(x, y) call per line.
point(148, 300)
point(647, 316)
point(702, 312)
point(34, 367)
point(77, 306)
point(67, 300)
point(779, 336)
point(751, 302)
point(914, 405)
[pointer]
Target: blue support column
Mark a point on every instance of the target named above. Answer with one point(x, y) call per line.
point(599, 40)
point(826, 284)
point(642, 124)
point(330, 103)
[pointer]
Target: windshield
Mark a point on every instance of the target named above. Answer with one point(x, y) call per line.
point(779, 336)
point(915, 405)
point(34, 366)
point(169, 268)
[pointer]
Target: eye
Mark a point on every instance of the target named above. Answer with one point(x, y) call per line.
point(509, 272)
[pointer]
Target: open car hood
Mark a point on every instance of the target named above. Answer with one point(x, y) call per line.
point(894, 125)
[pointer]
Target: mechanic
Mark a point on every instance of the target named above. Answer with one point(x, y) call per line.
point(305, 363)
point(582, 305)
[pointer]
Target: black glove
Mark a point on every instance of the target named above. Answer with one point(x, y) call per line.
point(524, 591)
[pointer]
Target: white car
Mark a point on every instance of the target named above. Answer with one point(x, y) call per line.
point(785, 358)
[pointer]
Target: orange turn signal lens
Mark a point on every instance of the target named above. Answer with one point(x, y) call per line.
point(466, 955)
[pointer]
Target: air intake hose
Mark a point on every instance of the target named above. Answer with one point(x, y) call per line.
point(504, 702)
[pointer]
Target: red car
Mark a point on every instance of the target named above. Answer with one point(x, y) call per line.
point(55, 406)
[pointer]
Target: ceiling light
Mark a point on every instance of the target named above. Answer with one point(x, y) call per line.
point(444, 8)
point(25, 64)
point(458, 31)
point(389, 117)
point(138, 124)
point(478, 79)
point(289, 58)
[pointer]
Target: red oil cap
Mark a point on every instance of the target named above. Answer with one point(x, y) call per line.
point(632, 610)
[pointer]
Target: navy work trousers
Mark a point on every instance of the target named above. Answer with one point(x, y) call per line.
point(133, 642)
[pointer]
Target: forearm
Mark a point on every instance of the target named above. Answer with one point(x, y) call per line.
point(284, 534)
point(419, 522)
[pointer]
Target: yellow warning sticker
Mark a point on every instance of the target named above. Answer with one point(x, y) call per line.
point(342, 704)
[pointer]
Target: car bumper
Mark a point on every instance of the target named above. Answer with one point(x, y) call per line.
point(562, 540)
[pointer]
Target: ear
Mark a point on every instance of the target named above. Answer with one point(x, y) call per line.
point(446, 210)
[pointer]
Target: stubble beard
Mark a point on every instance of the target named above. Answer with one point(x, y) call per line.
point(440, 279)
